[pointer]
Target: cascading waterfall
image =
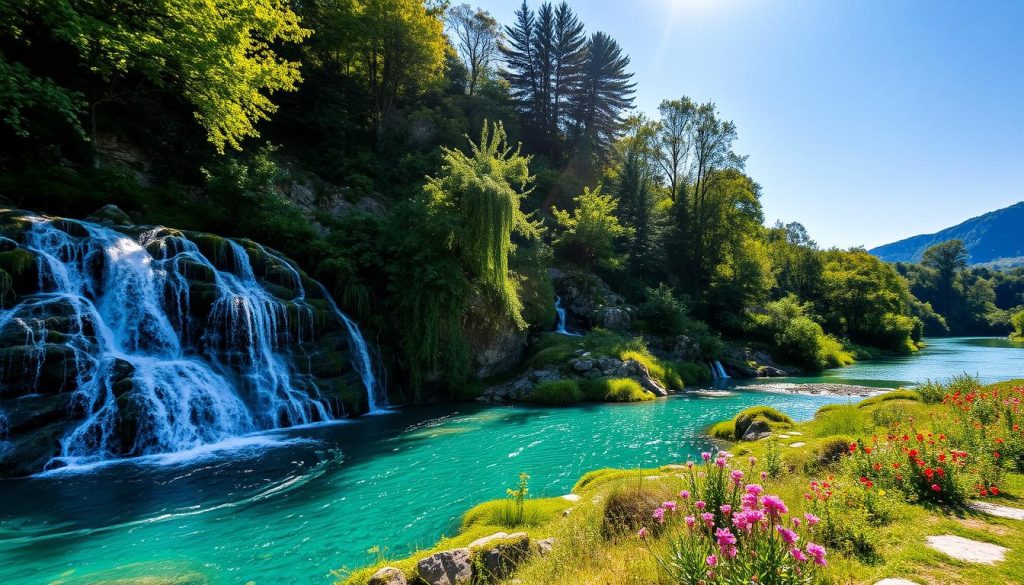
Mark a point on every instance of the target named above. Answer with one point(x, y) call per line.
point(147, 378)
point(560, 310)
point(361, 357)
point(718, 372)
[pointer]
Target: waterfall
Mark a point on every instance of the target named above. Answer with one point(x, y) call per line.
point(718, 372)
point(361, 355)
point(561, 318)
point(149, 376)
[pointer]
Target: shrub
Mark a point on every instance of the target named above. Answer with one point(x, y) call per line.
point(663, 312)
point(1017, 320)
point(796, 337)
point(691, 374)
point(628, 509)
point(614, 390)
point(626, 390)
point(931, 392)
point(831, 450)
point(724, 531)
point(556, 393)
point(773, 458)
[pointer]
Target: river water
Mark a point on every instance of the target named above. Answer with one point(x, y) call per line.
point(292, 506)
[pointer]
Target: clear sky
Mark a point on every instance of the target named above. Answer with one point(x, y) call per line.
point(866, 120)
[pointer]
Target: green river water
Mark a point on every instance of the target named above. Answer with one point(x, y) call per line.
point(291, 506)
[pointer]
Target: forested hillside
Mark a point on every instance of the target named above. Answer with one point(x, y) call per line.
point(442, 173)
point(992, 238)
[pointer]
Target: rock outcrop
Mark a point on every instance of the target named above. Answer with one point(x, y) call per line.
point(101, 321)
point(449, 567)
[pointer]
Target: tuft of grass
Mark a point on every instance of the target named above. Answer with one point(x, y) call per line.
point(725, 430)
point(653, 365)
point(844, 419)
point(556, 393)
point(901, 394)
point(614, 390)
point(689, 373)
point(746, 417)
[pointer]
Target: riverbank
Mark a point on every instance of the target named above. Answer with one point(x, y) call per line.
point(848, 466)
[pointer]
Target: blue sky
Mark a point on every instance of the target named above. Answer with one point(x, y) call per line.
point(866, 120)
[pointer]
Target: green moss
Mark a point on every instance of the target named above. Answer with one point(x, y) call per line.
point(614, 390)
point(556, 393)
point(16, 261)
point(748, 416)
point(725, 430)
point(894, 395)
point(592, 479)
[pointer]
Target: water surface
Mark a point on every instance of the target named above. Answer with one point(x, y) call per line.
point(290, 506)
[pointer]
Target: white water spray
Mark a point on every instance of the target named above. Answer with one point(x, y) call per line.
point(561, 319)
point(146, 378)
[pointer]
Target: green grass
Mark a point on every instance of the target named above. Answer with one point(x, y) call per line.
point(893, 395)
point(556, 393)
point(844, 419)
point(615, 390)
point(583, 553)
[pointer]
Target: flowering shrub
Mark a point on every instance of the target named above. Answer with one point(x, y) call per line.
point(990, 422)
point(923, 466)
point(725, 530)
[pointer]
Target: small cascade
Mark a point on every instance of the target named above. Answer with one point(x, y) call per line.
point(165, 348)
point(718, 372)
point(375, 398)
point(561, 329)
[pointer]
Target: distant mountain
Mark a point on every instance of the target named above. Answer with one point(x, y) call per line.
point(996, 238)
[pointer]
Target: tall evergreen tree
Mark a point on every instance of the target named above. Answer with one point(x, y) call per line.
point(521, 65)
point(606, 91)
point(636, 190)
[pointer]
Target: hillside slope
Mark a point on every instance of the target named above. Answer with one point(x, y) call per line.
point(993, 236)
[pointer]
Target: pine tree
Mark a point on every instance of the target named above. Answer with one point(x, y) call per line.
point(606, 90)
point(520, 69)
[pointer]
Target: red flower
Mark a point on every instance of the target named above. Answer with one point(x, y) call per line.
point(867, 450)
point(936, 488)
point(896, 465)
point(878, 466)
point(996, 455)
point(994, 490)
point(942, 456)
point(853, 447)
point(912, 453)
point(920, 437)
point(929, 473)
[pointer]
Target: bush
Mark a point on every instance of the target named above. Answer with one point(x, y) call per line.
point(1017, 320)
point(614, 390)
point(796, 337)
point(629, 509)
point(556, 393)
point(690, 374)
point(663, 312)
point(931, 392)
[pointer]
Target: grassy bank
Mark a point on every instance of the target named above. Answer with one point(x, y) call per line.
point(855, 467)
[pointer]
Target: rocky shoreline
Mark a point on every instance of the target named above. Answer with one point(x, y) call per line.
point(817, 389)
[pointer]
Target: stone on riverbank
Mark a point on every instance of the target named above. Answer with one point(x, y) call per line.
point(449, 567)
point(499, 554)
point(388, 576)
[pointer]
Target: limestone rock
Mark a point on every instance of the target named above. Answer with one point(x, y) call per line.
point(759, 429)
point(544, 546)
point(110, 214)
point(449, 567)
point(501, 553)
point(965, 549)
point(388, 576)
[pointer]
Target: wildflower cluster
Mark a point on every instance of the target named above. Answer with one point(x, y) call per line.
point(729, 531)
point(990, 422)
point(923, 466)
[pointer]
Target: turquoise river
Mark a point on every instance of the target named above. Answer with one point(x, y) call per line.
point(291, 507)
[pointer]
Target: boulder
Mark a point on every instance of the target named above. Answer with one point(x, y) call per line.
point(582, 365)
point(388, 576)
point(653, 386)
point(759, 429)
point(544, 546)
point(449, 567)
point(499, 554)
point(110, 214)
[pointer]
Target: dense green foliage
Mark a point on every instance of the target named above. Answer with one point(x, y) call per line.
point(334, 132)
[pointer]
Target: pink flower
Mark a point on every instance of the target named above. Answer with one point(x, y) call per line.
point(787, 535)
point(708, 518)
point(684, 495)
point(670, 506)
point(689, 464)
point(712, 560)
point(705, 456)
point(749, 501)
point(811, 519)
point(754, 489)
point(720, 462)
point(659, 515)
point(774, 505)
point(690, 520)
point(752, 461)
point(737, 476)
point(764, 475)
point(642, 533)
point(817, 552)
point(725, 537)
point(798, 555)
point(699, 504)
point(796, 522)
point(726, 509)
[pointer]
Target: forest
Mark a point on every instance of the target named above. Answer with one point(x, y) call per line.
point(433, 167)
